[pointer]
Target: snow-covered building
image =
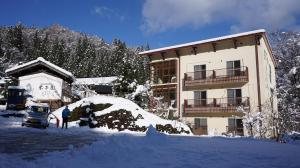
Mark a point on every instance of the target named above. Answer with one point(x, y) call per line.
point(87, 87)
point(210, 79)
point(44, 81)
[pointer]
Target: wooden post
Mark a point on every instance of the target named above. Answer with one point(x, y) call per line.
point(185, 104)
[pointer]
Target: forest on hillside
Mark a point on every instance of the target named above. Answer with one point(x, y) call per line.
point(79, 53)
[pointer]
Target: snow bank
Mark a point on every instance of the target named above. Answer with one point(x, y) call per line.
point(121, 103)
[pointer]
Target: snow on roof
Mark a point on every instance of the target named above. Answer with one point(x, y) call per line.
point(41, 59)
point(16, 87)
point(95, 81)
point(204, 41)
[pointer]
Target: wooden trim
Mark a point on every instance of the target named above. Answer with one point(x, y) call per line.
point(257, 73)
point(178, 81)
point(234, 43)
point(149, 56)
point(195, 50)
point(162, 54)
point(214, 46)
point(214, 114)
point(177, 53)
point(250, 35)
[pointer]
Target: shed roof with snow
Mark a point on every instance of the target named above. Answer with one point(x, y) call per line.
point(40, 65)
point(95, 81)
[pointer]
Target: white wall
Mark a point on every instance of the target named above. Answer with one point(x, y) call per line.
point(42, 86)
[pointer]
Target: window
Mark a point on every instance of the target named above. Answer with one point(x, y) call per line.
point(234, 96)
point(234, 124)
point(200, 98)
point(200, 72)
point(233, 68)
point(200, 123)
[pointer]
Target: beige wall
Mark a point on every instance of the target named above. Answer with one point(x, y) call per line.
point(225, 51)
point(245, 52)
point(265, 64)
point(215, 125)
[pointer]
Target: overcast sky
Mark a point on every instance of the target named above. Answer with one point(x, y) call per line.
point(156, 22)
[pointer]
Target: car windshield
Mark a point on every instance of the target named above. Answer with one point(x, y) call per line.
point(39, 109)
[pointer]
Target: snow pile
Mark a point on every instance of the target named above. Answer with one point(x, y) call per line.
point(144, 118)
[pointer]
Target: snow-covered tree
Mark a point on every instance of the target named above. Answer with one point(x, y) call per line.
point(286, 47)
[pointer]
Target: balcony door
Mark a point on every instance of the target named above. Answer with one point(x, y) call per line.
point(233, 68)
point(200, 72)
point(234, 97)
point(200, 98)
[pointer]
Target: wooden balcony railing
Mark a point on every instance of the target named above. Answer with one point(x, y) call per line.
point(215, 105)
point(217, 77)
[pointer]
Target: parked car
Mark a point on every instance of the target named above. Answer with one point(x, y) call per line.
point(37, 116)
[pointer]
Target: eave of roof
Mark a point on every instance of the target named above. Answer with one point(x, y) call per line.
point(203, 41)
point(43, 61)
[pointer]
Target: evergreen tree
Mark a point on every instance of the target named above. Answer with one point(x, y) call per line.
point(44, 50)
point(58, 54)
point(37, 45)
point(15, 37)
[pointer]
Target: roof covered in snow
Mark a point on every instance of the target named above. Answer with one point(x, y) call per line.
point(204, 41)
point(16, 87)
point(95, 81)
point(38, 61)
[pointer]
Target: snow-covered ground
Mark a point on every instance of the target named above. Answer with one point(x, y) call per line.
point(75, 147)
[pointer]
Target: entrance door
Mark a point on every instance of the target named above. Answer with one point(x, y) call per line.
point(200, 98)
point(235, 126)
point(233, 68)
point(200, 72)
point(200, 127)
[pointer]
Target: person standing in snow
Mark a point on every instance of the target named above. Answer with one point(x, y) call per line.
point(65, 115)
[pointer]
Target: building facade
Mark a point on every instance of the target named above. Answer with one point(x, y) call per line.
point(44, 81)
point(210, 80)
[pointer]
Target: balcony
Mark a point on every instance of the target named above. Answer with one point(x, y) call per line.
point(215, 107)
point(163, 73)
point(218, 78)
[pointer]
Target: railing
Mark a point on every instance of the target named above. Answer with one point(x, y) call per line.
point(164, 79)
point(215, 104)
point(216, 76)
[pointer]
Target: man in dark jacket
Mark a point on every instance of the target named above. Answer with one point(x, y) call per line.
point(65, 115)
